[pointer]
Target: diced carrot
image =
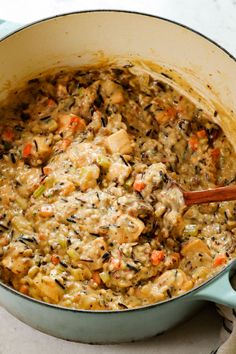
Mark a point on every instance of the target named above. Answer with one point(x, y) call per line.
point(50, 102)
point(46, 211)
point(24, 289)
point(215, 154)
point(47, 170)
point(65, 143)
point(55, 259)
point(42, 237)
point(68, 188)
point(96, 278)
point(77, 123)
point(201, 133)
point(219, 260)
point(157, 257)
point(27, 150)
point(193, 142)
point(171, 112)
point(139, 186)
point(8, 135)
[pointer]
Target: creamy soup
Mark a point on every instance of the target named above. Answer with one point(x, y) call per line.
point(91, 213)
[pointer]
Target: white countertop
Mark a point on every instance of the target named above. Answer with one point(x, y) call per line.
point(217, 20)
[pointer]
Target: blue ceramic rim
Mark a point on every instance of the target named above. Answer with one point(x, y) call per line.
point(140, 308)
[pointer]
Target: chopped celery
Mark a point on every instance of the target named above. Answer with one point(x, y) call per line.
point(104, 162)
point(49, 182)
point(73, 254)
point(39, 191)
point(191, 230)
point(77, 274)
point(105, 277)
point(62, 241)
point(81, 91)
point(51, 125)
point(21, 202)
point(129, 182)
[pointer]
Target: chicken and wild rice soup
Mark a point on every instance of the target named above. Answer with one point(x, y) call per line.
point(91, 215)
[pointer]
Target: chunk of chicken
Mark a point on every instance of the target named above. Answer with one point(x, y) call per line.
point(118, 172)
point(119, 142)
point(46, 286)
point(15, 259)
point(112, 92)
point(127, 229)
point(194, 246)
point(94, 250)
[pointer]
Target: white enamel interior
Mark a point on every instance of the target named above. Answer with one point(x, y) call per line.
point(83, 37)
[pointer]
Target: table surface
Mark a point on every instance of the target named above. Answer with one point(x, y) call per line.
point(200, 335)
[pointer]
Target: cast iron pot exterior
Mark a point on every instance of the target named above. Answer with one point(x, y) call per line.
point(72, 40)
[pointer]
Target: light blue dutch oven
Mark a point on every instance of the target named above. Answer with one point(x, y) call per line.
point(78, 38)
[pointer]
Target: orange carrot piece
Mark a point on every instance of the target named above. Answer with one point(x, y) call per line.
point(139, 186)
point(96, 278)
point(46, 211)
point(201, 133)
point(171, 112)
point(8, 135)
point(50, 102)
point(157, 257)
point(27, 150)
point(47, 170)
point(55, 259)
point(77, 123)
point(215, 154)
point(219, 260)
point(24, 289)
point(193, 142)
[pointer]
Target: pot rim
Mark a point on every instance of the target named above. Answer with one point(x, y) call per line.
point(143, 14)
point(145, 307)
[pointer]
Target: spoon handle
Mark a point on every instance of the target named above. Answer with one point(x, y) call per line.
point(211, 195)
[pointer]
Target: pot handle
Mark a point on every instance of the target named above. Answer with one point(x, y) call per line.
point(219, 290)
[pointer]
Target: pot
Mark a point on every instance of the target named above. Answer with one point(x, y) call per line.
point(79, 38)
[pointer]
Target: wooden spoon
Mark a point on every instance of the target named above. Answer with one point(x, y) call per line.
point(219, 194)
